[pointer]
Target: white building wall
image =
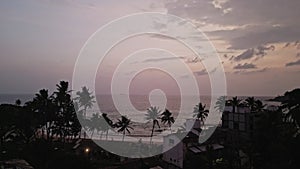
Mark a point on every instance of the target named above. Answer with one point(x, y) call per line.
point(173, 148)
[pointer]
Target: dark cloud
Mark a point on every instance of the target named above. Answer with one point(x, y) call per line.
point(293, 63)
point(245, 55)
point(237, 12)
point(260, 51)
point(245, 66)
point(258, 21)
point(245, 72)
point(255, 35)
point(160, 36)
point(294, 44)
point(163, 59)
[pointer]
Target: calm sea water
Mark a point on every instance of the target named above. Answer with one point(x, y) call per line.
point(135, 108)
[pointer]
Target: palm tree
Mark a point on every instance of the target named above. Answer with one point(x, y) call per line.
point(124, 124)
point(43, 104)
point(85, 99)
point(152, 116)
point(200, 112)
point(18, 102)
point(235, 102)
point(65, 113)
point(93, 125)
point(259, 106)
point(291, 104)
point(250, 101)
point(166, 117)
point(106, 124)
point(220, 104)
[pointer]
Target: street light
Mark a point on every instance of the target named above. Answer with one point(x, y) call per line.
point(87, 150)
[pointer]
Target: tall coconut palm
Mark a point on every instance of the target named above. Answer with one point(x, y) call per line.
point(235, 102)
point(250, 102)
point(200, 112)
point(124, 125)
point(85, 99)
point(166, 118)
point(42, 104)
point(153, 116)
point(94, 123)
point(65, 113)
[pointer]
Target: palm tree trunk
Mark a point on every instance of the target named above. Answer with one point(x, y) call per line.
point(106, 134)
point(80, 132)
point(84, 112)
point(152, 132)
point(123, 135)
point(92, 134)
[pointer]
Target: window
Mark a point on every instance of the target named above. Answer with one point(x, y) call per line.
point(236, 117)
point(242, 126)
point(171, 142)
point(231, 116)
point(231, 125)
point(235, 126)
point(242, 118)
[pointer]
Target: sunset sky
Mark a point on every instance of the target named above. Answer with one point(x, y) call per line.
point(258, 42)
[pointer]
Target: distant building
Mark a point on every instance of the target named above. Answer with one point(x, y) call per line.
point(241, 124)
point(241, 128)
point(178, 151)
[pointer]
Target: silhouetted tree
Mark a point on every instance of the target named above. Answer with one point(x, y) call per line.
point(166, 117)
point(94, 124)
point(250, 102)
point(200, 112)
point(85, 99)
point(235, 102)
point(18, 102)
point(65, 115)
point(220, 104)
point(259, 106)
point(152, 116)
point(124, 125)
point(106, 124)
point(43, 105)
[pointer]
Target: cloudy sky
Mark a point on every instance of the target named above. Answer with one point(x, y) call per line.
point(258, 42)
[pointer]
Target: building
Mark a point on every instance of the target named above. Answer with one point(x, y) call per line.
point(239, 125)
point(182, 148)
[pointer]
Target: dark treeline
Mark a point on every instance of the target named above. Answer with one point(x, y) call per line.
point(38, 130)
point(47, 116)
point(42, 129)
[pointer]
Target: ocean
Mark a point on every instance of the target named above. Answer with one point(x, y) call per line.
point(137, 106)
